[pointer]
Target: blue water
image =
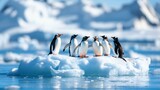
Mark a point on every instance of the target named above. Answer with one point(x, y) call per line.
point(120, 82)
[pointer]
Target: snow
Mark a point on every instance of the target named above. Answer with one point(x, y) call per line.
point(65, 66)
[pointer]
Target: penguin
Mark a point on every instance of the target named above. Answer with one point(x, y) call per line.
point(118, 48)
point(72, 45)
point(55, 44)
point(97, 47)
point(82, 47)
point(106, 45)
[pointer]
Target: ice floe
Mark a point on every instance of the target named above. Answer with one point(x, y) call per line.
point(65, 66)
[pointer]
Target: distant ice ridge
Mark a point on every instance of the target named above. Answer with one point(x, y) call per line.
point(65, 66)
point(80, 12)
point(138, 15)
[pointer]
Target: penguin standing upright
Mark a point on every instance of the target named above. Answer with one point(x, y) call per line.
point(82, 47)
point(55, 45)
point(118, 48)
point(72, 45)
point(97, 47)
point(106, 46)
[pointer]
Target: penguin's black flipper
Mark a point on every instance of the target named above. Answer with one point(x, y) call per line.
point(65, 47)
point(52, 44)
point(116, 49)
point(76, 48)
point(100, 44)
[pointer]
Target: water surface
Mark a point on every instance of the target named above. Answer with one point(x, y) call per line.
point(119, 82)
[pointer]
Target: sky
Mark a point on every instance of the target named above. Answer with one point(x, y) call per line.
point(118, 3)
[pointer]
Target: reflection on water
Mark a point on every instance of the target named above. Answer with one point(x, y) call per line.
point(119, 82)
point(84, 82)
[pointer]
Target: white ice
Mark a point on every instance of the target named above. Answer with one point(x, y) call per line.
point(65, 66)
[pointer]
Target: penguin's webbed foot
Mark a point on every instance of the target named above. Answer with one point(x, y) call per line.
point(86, 56)
point(72, 56)
point(49, 53)
point(98, 55)
point(106, 54)
point(80, 56)
point(83, 56)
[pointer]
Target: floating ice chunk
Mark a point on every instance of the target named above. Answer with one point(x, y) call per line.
point(14, 72)
point(156, 71)
point(26, 43)
point(62, 65)
point(10, 57)
point(12, 87)
point(15, 57)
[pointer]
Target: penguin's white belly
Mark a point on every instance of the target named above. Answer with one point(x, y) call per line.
point(83, 48)
point(106, 47)
point(73, 45)
point(98, 50)
point(57, 46)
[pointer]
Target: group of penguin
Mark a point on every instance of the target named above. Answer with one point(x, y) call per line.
point(82, 48)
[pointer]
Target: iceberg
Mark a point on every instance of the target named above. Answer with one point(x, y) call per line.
point(65, 66)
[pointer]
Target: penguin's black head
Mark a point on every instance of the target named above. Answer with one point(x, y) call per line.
point(58, 35)
point(115, 38)
point(74, 36)
point(104, 37)
point(95, 38)
point(85, 38)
